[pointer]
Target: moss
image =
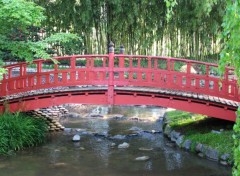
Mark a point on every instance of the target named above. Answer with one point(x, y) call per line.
point(197, 128)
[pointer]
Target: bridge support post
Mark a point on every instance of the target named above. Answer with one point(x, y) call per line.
point(111, 74)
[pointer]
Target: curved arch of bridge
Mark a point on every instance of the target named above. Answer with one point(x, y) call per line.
point(119, 79)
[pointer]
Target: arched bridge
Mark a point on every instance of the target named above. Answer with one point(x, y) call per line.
point(119, 79)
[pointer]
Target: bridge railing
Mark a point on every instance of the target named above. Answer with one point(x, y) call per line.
point(121, 70)
point(175, 74)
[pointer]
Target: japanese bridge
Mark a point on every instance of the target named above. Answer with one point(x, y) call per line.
point(119, 79)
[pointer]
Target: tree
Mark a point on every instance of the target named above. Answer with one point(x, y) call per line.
point(141, 26)
point(16, 19)
point(230, 56)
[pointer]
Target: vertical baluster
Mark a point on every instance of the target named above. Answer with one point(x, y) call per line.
point(207, 80)
point(25, 75)
point(139, 76)
point(121, 64)
point(226, 82)
point(73, 69)
point(149, 70)
point(39, 71)
point(156, 74)
point(188, 75)
point(55, 73)
point(130, 69)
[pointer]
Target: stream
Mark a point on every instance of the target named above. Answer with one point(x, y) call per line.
point(97, 153)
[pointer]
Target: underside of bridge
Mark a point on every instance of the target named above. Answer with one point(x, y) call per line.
point(195, 103)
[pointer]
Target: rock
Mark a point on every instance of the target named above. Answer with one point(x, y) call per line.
point(224, 163)
point(74, 115)
point(123, 145)
point(119, 137)
point(134, 128)
point(59, 164)
point(212, 154)
point(102, 134)
point(180, 140)
point(142, 158)
point(187, 144)
point(96, 115)
point(99, 140)
point(145, 149)
point(82, 148)
point(117, 116)
point(201, 155)
point(225, 157)
point(113, 144)
point(76, 138)
point(67, 130)
point(200, 148)
point(170, 144)
point(174, 135)
point(216, 132)
point(87, 133)
point(167, 130)
point(80, 130)
point(134, 118)
point(221, 130)
point(133, 135)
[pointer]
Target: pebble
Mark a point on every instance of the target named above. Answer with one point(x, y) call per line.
point(142, 158)
point(59, 164)
point(99, 140)
point(123, 145)
point(76, 138)
point(113, 144)
point(145, 149)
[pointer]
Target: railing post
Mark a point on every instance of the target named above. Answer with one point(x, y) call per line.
point(111, 74)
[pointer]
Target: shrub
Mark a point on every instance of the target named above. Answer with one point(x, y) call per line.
point(19, 131)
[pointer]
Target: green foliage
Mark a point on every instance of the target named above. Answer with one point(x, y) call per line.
point(170, 5)
point(19, 131)
point(20, 22)
point(236, 137)
point(230, 55)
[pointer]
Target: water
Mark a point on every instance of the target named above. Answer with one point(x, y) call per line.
point(94, 155)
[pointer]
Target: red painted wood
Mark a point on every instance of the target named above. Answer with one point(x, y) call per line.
point(123, 70)
point(100, 97)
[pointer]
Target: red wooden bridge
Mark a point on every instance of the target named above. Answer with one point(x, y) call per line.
point(119, 79)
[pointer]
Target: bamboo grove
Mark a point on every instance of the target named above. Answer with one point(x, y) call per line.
point(141, 25)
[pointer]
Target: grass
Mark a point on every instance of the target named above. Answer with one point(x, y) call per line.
point(197, 128)
point(19, 131)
